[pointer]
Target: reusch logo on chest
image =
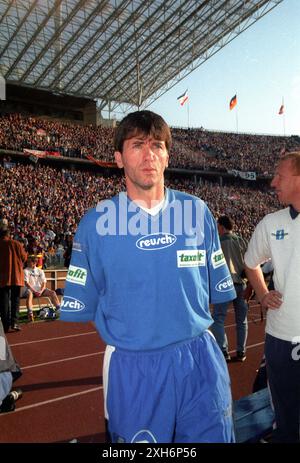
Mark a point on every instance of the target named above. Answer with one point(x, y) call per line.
point(155, 241)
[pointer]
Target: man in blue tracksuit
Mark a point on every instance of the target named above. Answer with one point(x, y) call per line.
point(145, 265)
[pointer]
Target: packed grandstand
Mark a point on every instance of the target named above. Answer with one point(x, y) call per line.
point(43, 202)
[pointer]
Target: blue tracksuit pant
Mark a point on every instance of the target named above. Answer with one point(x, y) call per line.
point(177, 394)
point(283, 370)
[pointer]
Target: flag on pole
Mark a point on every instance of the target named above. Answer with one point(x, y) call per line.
point(183, 98)
point(233, 102)
point(281, 109)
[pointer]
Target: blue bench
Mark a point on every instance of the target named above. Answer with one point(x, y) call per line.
point(253, 416)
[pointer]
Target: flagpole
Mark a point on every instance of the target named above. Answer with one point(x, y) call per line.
point(236, 117)
point(182, 99)
point(283, 118)
point(237, 121)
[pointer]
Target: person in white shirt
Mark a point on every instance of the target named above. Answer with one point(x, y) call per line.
point(35, 286)
point(277, 237)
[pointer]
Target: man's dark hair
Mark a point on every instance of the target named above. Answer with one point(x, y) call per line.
point(145, 123)
point(226, 222)
point(4, 232)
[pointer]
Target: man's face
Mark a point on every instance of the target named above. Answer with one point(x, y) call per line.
point(32, 263)
point(286, 183)
point(144, 160)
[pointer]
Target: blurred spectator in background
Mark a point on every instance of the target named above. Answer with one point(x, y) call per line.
point(68, 249)
point(234, 248)
point(35, 286)
point(34, 249)
point(12, 258)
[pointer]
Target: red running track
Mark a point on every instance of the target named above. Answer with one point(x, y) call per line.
point(62, 380)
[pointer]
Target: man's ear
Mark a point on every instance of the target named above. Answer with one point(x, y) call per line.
point(167, 161)
point(118, 159)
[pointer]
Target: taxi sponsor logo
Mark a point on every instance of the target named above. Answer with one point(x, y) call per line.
point(77, 275)
point(218, 259)
point(191, 258)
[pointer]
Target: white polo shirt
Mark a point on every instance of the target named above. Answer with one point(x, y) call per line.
point(277, 237)
point(35, 277)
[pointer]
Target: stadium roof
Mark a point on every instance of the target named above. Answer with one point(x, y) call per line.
point(117, 51)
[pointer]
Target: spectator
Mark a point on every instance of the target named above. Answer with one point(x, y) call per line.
point(68, 249)
point(234, 248)
point(35, 286)
point(12, 258)
point(35, 250)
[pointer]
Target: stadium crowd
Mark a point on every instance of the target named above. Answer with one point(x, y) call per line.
point(227, 151)
point(18, 132)
point(43, 205)
point(192, 148)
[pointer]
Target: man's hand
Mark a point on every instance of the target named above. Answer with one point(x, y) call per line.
point(271, 300)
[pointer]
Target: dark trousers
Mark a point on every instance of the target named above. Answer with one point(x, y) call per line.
point(9, 305)
point(283, 370)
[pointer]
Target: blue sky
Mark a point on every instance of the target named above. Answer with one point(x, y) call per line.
point(262, 65)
